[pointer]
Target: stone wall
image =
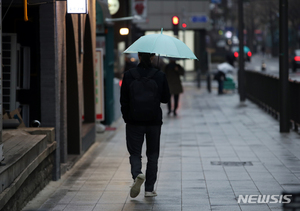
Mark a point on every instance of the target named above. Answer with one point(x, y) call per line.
point(34, 183)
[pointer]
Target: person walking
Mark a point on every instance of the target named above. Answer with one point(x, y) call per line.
point(143, 89)
point(220, 77)
point(173, 72)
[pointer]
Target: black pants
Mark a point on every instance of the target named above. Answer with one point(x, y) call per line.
point(176, 98)
point(135, 139)
point(221, 85)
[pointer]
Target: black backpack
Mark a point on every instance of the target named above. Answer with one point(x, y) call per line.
point(144, 100)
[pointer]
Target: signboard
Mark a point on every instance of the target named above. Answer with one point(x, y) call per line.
point(77, 7)
point(99, 85)
point(199, 19)
point(139, 7)
point(229, 28)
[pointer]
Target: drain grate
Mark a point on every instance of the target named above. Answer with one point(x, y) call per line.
point(231, 163)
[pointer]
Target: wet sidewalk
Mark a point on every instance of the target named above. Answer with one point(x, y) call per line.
point(209, 130)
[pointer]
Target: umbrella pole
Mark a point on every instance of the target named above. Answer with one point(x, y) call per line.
point(158, 61)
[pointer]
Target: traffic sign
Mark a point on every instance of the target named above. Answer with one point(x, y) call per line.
point(199, 19)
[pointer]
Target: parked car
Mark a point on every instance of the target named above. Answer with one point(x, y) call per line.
point(295, 60)
point(247, 52)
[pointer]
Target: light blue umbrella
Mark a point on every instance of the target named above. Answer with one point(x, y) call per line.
point(163, 45)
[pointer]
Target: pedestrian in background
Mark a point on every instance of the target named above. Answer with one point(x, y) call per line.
point(173, 72)
point(143, 89)
point(220, 77)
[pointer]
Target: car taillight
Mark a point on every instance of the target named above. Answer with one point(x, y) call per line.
point(120, 83)
point(236, 54)
point(297, 58)
point(249, 54)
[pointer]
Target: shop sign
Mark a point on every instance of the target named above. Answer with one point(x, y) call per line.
point(77, 7)
point(139, 8)
point(99, 85)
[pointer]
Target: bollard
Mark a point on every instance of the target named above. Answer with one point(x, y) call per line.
point(208, 80)
point(198, 78)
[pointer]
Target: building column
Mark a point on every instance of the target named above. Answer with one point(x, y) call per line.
point(50, 77)
point(62, 68)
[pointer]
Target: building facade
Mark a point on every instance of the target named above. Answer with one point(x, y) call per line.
point(48, 71)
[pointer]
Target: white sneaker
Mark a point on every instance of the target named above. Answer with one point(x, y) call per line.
point(150, 194)
point(136, 186)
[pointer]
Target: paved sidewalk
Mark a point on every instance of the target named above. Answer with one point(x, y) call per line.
point(209, 128)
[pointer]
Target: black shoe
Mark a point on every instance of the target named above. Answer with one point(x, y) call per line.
point(169, 112)
point(174, 112)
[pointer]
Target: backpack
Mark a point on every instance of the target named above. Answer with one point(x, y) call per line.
point(144, 101)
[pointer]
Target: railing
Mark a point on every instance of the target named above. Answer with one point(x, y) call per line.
point(264, 90)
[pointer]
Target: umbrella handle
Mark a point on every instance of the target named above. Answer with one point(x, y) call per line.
point(158, 62)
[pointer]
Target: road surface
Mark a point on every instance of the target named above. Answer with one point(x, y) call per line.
point(272, 66)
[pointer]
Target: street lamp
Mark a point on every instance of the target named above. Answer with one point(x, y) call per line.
point(124, 31)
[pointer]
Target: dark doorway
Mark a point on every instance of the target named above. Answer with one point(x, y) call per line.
point(73, 117)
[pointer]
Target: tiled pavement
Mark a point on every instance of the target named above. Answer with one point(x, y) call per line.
point(208, 128)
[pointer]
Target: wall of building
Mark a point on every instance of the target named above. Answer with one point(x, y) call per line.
point(46, 34)
point(80, 49)
point(160, 13)
point(32, 185)
point(50, 76)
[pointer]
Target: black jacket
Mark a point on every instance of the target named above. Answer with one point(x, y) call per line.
point(163, 92)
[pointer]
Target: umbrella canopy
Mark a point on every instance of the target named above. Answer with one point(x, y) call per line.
point(225, 67)
point(163, 45)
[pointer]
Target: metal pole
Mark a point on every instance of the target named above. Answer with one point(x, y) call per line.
point(284, 67)
point(198, 54)
point(184, 63)
point(136, 17)
point(241, 74)
point(183, 21)
point(1, 104)
point(208, 78)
